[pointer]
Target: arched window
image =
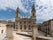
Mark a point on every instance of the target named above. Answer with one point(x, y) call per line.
point(25, 27)
point(20, 26)
point(29, 21)
point(24, 21)
point(29, 27)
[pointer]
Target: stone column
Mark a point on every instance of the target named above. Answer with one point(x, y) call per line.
point(34, 32)
point(9, 33)
point(19, 27)
point(27, 25)
point(27, 28)
point(22, 27)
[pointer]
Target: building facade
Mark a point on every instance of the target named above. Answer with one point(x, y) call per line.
point(2, 27)
point(25, 24)
point(47, 27)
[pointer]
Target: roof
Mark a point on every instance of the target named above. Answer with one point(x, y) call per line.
point(2, 21)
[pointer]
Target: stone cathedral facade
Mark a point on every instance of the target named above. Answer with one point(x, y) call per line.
point(25, 24)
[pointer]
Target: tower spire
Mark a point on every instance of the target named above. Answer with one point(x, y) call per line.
point(17, 20)
point(33, 11)
point(18, 13)
point(34, 26)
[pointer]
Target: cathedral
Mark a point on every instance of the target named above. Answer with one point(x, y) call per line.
point(25, 24)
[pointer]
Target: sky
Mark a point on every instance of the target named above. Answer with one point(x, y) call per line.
point(44, 9)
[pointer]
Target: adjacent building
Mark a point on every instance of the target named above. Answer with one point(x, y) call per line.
point(2, 27)
point(47, 27)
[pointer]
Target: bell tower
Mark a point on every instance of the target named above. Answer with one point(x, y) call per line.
point(33, 22)
point(33, 11)
point(17, 20)
point(17, 14)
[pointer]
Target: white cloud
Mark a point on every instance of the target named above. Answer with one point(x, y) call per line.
point(13, 4)
point(45, 14)
point(12, 19)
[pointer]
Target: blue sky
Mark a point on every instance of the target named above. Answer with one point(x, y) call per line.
point(43, 9)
